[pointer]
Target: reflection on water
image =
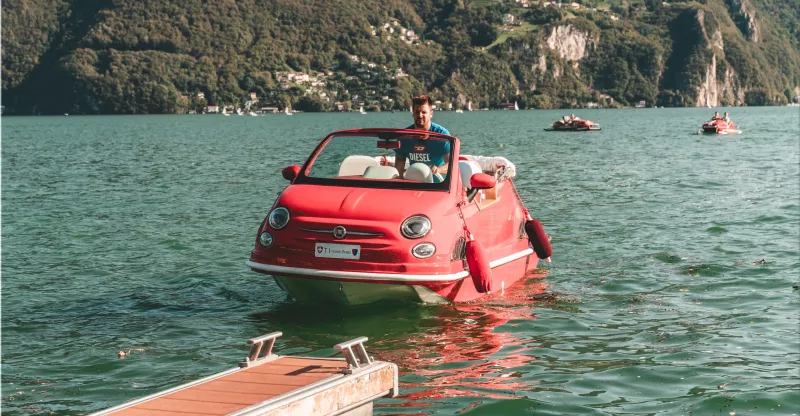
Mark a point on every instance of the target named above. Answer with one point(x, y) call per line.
point(467, 350)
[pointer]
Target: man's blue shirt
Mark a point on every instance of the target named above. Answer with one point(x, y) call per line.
point(430, 151)
point(434, 128)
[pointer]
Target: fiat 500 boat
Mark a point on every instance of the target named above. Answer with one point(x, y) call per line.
point(719, 126)
point(575, 125)
point(349, 230)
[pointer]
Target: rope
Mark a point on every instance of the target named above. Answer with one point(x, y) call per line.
point(468, 234)
point(519, 197)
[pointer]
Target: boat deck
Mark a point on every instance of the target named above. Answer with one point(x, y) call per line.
point(268, 384)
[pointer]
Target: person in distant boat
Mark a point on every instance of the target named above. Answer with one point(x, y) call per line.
point(434, 153)
point(726, 117)
point(716, 116)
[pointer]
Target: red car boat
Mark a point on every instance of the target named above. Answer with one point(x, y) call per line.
point(574, 125)
point(348, 230)
point(719, 126)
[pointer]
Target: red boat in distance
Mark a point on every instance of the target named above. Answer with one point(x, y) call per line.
point(349, 230)
point(573, 124)
point(719, 126)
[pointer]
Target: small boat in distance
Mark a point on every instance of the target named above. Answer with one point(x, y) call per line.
point(719, 126)
point(287, 111)
point(573, 123)
point(361, 110)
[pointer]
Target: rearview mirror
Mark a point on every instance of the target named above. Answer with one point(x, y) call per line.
point(482, 181)
point(388, 144)
point(290, 172)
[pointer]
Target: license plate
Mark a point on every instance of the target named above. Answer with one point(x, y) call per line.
point(337, 251)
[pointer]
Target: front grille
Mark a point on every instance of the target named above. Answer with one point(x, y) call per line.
point(330, 231)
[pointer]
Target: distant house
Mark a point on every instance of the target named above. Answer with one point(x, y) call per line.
point(269, 109)
point(201, 95)
point(508, 19)
point(253, 96)
point(212, 109)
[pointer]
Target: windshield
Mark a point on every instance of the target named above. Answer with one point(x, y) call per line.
point(373, 160)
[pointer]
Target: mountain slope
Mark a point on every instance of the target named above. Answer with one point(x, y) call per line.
point(160, 56)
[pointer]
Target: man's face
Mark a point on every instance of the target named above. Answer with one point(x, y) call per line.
point(422, 115)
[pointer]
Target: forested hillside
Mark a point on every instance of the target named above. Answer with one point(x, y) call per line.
point(167, 56)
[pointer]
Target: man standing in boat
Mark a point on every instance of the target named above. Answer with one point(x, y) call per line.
point(434, 153)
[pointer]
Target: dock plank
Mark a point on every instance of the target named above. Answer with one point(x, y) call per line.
point(192, 406)
point(223, 396)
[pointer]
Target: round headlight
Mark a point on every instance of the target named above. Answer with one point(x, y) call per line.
point(278, 218)
point(423, 250)
point(415, 226)
point(265, 239)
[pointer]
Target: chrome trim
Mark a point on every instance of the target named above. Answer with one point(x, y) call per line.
point(323, 231)
point(510, 258)
point(395, 277)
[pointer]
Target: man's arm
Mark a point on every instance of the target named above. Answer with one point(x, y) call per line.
point(400, 164)
point(444, 167)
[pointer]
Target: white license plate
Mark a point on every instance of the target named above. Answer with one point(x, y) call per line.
point(337, 251)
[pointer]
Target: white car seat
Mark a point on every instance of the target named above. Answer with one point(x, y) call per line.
point(380, 172)
point(419, 172)
point(356, 165)
point(467, 169)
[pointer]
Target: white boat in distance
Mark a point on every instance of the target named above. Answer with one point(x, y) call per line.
point(361, 110)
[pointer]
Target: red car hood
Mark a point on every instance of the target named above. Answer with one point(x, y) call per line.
point(363, 203)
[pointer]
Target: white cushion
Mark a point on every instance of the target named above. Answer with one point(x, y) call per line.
point(381, 172)
point(467, 169)
point(356, 165)
point(419, 172)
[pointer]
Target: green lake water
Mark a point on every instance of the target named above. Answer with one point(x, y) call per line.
point(132, 232)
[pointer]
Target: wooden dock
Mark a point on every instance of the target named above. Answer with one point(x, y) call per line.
point(270, 384)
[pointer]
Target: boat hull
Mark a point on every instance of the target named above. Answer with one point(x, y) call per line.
point(351, 289)
point(719, 127)
point(593, 128)
point(355, 293)
point(579, 125)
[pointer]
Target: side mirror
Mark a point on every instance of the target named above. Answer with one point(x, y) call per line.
point(290, 172)
point(482, 181)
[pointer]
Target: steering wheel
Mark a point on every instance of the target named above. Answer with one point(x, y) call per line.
point(438, 178)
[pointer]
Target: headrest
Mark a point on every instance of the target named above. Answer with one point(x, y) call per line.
point(467, 169)
point(356, 165)
point(419, 172)
point(380, 172)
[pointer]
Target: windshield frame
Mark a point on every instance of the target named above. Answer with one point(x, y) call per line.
point(377, 134)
